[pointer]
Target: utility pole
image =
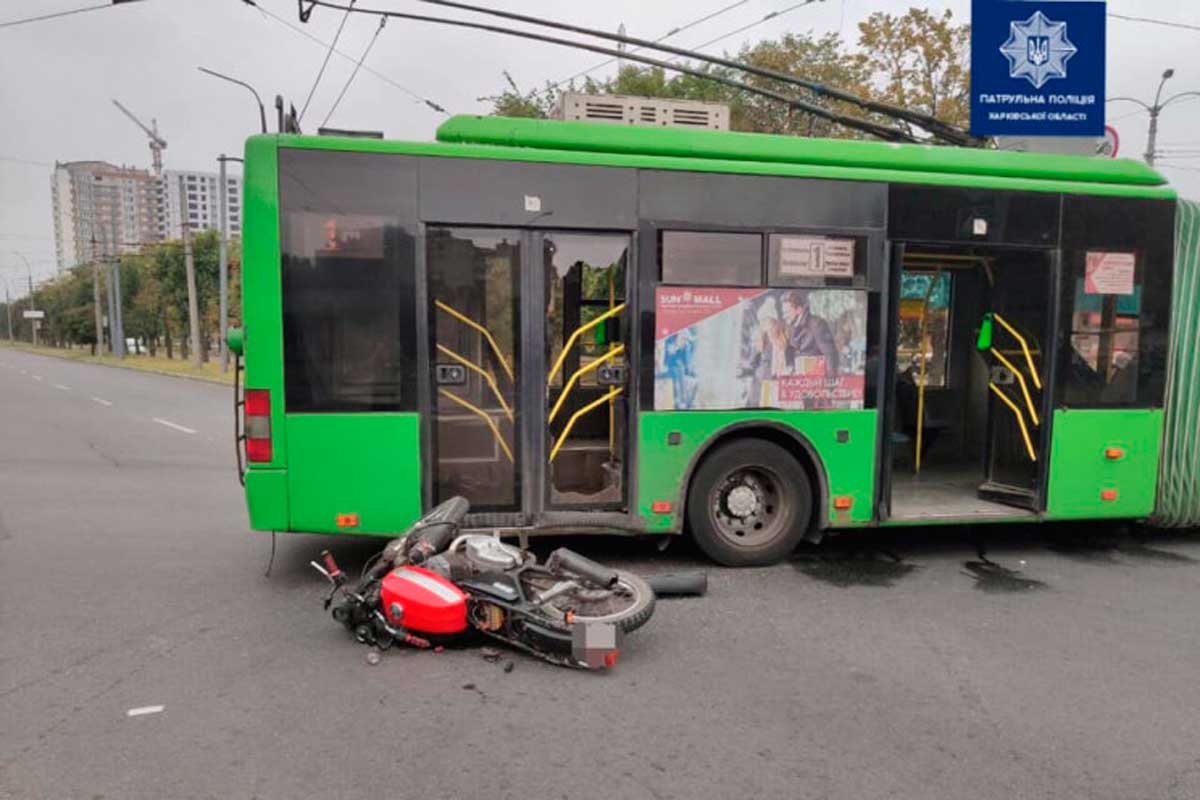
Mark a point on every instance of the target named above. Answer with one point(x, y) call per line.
point(8, 308)
point(193, 308)
point(223, 221)
point(1154, 111)
point(116, 325)
point(96, 303)
point(33, 323)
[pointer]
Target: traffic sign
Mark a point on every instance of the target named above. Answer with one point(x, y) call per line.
point(34, 314)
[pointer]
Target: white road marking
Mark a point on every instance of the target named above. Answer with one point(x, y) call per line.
point(177, 427)
point(23, 372)
point(64, 387)
point(37, 377)
point(102, 401)
point(137, 712)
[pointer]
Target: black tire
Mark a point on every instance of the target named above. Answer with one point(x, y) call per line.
point(750, 503)
point(635, 616)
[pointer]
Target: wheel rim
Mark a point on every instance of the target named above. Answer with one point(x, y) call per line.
point(605, 605)
point(749, 508)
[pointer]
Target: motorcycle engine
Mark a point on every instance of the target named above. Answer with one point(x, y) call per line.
point(488, 554)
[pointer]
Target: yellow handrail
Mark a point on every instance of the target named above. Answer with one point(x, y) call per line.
point(580, 331)
point(483, 415)
point(579, 373)
point(1020, 420)
point(562, 439)
point(486, 334)
point(937, 277)
point(1024, 347)
point(487, 376)
point(1021, 380)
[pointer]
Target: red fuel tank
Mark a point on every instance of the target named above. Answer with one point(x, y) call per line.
point(422, 601)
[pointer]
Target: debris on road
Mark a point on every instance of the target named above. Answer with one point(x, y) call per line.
point(373, 657)
point(143, 710)
point(489, 654)
point(509, 665)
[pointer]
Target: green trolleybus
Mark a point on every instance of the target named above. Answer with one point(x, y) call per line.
point(757, 339)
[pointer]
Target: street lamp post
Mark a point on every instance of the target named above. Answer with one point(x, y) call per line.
point(1155, 110)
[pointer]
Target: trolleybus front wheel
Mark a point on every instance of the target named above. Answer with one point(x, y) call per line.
point(750, 503)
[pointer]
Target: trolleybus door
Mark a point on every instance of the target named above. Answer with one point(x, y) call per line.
point(586, 369)
point(528, 336)
point(475, 311)
point(1015, 340)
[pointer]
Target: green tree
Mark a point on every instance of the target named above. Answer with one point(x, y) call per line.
point(920, 61)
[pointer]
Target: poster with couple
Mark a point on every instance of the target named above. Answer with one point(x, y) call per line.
point(722, 348)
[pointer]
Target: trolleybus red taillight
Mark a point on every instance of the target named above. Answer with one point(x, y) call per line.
point(258, 425)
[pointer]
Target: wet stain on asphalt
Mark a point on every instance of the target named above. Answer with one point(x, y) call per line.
point(1085, 549)
point(991, 577)
point(854, 567)
point(1136, 548)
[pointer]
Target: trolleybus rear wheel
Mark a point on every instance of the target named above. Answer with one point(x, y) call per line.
point(750, 503)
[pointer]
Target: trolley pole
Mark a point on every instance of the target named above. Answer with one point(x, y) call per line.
point(223, 250)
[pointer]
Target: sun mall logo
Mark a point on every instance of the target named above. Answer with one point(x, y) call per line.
point(1038, 50)
point(689, 298)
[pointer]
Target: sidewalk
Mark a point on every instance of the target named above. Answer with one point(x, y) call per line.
point(176, 367)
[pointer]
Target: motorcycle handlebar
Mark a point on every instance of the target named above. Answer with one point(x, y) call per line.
point(570, 561)
point(331, 567)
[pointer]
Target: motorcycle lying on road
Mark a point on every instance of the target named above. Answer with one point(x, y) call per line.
point(433, 586)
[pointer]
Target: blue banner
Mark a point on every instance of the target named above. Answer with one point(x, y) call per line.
point(1037, 67)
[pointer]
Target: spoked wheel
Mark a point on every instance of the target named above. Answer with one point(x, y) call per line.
point(750, 503)
point(629, 604)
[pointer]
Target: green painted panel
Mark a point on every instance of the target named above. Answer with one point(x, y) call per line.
point(691, 143)
point(262, 307)
point(885, 173)
point(267, 499)
point(1080, 470)
point(849, 466)
point(364, 464)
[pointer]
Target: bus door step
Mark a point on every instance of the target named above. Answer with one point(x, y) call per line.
point(496, 519)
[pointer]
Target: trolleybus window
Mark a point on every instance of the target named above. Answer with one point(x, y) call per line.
point(348, 316)
point(712, 259)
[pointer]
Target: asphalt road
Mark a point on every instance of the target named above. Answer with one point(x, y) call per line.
point(898, 665)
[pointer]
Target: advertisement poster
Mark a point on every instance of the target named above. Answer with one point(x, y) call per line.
point(1037, 67)
point(1109, 273)
point(722, 348)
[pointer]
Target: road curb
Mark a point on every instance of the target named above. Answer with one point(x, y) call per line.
point(91, 360)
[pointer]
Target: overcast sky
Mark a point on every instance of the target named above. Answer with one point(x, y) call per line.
point(61, 74)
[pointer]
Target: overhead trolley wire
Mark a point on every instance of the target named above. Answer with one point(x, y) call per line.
point(325, 63)
point(366, 68)
point(662, 38)
point(756, 23)
point(1164, 22)
point(357, 67)
point(865, 126)
point(40, 17)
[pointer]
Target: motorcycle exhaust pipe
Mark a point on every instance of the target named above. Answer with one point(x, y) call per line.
point(569, 561)
point(679, 584)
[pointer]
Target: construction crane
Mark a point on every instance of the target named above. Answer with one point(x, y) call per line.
point(157, 143)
